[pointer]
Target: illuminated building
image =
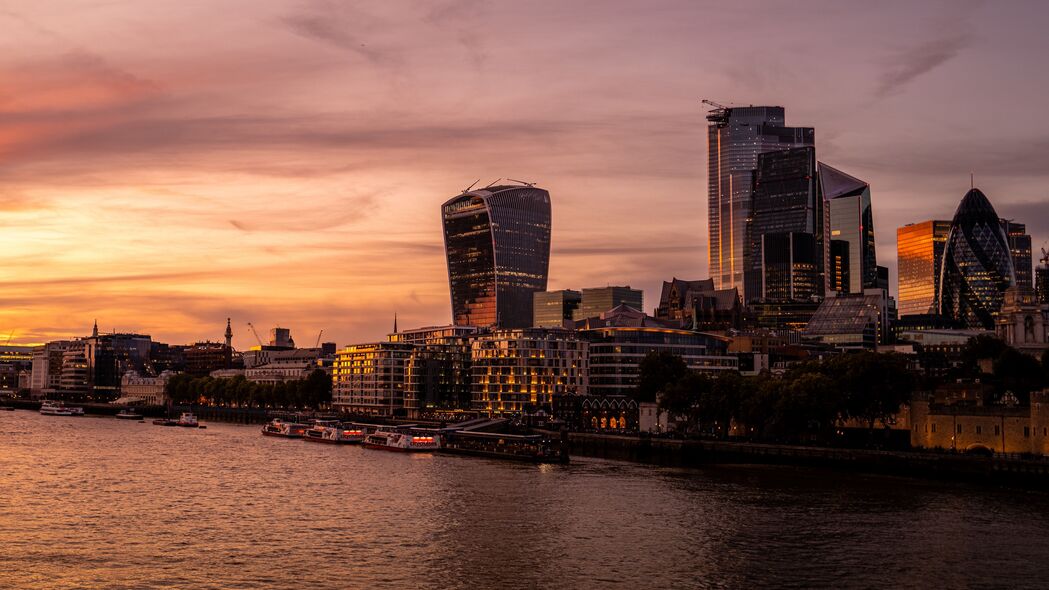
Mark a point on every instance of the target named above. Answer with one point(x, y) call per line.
point(735, 139)
point(598, 300)
point(850, 322)
point(145, 390)
point(47, 368)
point(1041, 283)
point(109, 356)
point(437, 374)
point(620, 338)
point(202, 358)
point(786, 203)
point(977, 264)
point(1020, 250)
point(497, 243)
point(919, 255)
point(369, 378)
point(1023, 322)
point(520, 370)
point(551, 309)
point(697, 305)
point(848, 202)
point(74, 381)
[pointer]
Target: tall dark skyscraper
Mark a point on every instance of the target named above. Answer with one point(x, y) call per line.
point(1020, 250)
point(785, 201)
point(735, 139)
point(497, 242)
point(977, 265)
point(919, 255)
point(851, 220)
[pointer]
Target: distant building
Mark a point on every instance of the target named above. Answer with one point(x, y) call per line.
point(1023, 322)
point(850, 322)
point(47, 368)
point(551, 309)
point(977, 264)
point(1041, 282)
point(919, 255)
point(736, 136)
point(369, 378)
point(517, 371)
point(697, 305)
point(137, 389)
point(288, 369)
point(437, 372)
point(497, 243)
point(1020, 251)
point(969, 426)
point(598, 300)
point(202, 358)
point(15, 361)
point(281, 338)
point(109, 356)
point(852, 225)
point(619, 339)
point(786, 208)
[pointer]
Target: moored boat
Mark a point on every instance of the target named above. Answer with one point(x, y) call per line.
point(128, 414)
point(51, 408)
point(187, 420)
point(165, 422)
point(401, 441)
point(278, 427)
point(334, 433)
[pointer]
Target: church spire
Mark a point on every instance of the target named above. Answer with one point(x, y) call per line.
point(395, 322)
point(229, 334)
point(94, 330)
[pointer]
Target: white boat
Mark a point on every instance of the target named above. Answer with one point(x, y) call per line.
point(278, 427)
point(401, 441)
point(188, 420)
point(334, 433)
point(128, 414)
point(50, 408)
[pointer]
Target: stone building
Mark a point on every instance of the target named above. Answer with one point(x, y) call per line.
point(968, 427)
point(1023, 322)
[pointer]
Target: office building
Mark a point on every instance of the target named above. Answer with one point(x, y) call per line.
point(551, 309)
point(1020, 250)
point(497, 243)
point(1041, 282)
point(598, 300)
point(520, 371)
point(786, 201)
point(850, 322)
point(851, 221)
point(437, 374)
point(977, 264)
point(919, 256)
point(790, 267)
point(735, 139)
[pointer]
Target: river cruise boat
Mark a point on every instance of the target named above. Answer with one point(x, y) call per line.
point(128, 414)
point(401, 441)
point(334, 434)
point(280, 428)
point(187, 420)
point(50, 408)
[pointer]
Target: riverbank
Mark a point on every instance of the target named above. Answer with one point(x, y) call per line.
point(685, 453)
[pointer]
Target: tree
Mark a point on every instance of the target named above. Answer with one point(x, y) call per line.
point(808, 405)
point(1017, 372)
point(681, 399)
point(875, 385)
point(982, 347)
point(656, 371)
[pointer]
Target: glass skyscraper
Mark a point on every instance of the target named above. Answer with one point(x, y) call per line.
point(735, 138)
point(1020, 250)
point(977, 265)
point(851, 221)
point(919, 255)
point(497, 242)
point(785, 201)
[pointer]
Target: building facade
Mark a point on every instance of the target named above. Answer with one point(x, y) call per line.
point(851, 221)
point(790, 267)
point(598, 300)
point(1020, 250)
point(964, 427)
point(521, 370)
point(437, 373)
point(497, 244)
point(919, 256)
point(977, 264)
point(551, 309)
point(369, 378)
point(735, 139)
point(144, 390)
point(1023, 322)
point(698, 305)
point(850, 322)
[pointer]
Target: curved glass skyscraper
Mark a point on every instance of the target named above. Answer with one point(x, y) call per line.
point(977, 264)
point(497, 240)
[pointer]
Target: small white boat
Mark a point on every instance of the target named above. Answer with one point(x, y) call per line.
point(51, 408)
point(278, 427)
point(334, 433)
point(401, 442)
point(188, 420)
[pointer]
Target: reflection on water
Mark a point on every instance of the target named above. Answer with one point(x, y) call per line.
point(101, 503)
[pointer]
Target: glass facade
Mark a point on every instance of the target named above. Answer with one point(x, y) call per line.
point(790, 267)
point(497, 242)
point(785, 201)
point(735, 139)
point(851, 220)
point(919, 255)
point(551, 309)
point(1041, 283)
point(1020, 250)
point(977, 264)
point(849, 322)
point(437, 373)
point(599, 300)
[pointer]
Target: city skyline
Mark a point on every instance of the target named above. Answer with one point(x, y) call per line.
point(161, 192)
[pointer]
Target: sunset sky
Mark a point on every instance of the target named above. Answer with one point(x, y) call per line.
point(165, 164)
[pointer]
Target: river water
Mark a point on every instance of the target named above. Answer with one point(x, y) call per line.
point(101, 503)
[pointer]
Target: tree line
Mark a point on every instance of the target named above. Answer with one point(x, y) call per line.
point(314, 392)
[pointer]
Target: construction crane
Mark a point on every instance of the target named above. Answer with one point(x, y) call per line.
point(1045, 257)
point(318, 345)
point(12, 334)
point(255, 333)
point(528, 184)
point(716, 105)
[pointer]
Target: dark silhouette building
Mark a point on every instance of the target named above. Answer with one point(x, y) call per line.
point(977, 264)
point(851, 221)
point(497, 243)
point(697, 305)
point(1020, 250)
point(736, 136)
